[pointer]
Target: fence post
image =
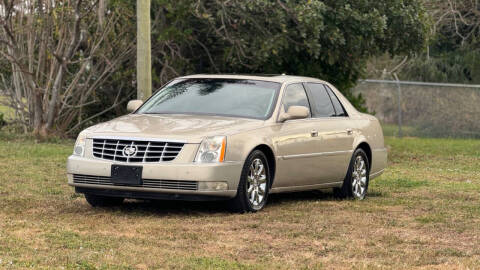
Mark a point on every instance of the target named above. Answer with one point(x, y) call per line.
point(399, 91)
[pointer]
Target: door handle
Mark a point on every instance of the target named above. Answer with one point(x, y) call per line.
point(349, 131)
point(314, 133)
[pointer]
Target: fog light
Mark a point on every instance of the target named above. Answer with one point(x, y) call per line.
point(213, 186)
point(209, 157)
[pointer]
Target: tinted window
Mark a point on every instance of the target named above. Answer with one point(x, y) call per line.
point(228, 97)
point(336, 103)
point(321, 103)
point(295, 96)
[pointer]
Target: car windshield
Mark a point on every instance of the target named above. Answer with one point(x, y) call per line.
point(225, 97)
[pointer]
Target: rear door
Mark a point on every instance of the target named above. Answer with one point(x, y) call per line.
point(335, 134)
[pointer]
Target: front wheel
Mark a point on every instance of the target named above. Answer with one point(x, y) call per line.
point(254, 184)
point(355, 184)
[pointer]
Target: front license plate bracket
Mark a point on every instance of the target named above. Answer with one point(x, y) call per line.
point(127, 175)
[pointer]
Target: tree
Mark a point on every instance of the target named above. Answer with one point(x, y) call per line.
point(328, 39)
point(70, 62)
point(452, 53)
point(59, 56)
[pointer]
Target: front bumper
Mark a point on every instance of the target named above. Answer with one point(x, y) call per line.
point(228, 172)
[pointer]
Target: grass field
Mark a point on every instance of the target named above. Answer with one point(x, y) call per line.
point(424, 212)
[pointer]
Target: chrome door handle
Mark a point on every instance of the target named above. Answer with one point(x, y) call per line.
point(314, 133)
point(349, 131)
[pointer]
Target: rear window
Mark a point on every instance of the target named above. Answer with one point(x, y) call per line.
point(339, 110)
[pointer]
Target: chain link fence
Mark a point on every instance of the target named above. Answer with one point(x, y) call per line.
point(423, 109)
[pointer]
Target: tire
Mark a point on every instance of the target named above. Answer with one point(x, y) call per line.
point(254, 182)
point(355, 184)
point(103, 201)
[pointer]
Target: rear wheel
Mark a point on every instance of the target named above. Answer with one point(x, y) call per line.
point(355, 184)
point(103, 201)
point(254, 184)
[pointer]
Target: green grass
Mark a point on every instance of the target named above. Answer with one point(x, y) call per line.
point(8, 113)
point(392, 130)
point(424, 212)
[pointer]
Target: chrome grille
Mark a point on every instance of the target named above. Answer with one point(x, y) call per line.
point(147, 183)
point(146, 151)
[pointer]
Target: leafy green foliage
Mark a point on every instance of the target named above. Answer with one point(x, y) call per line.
point(461, 65)
point(453, 53)
point(326, 39)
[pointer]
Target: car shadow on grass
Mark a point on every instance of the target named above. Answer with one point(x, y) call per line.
point(168, 207)
point(200, 208)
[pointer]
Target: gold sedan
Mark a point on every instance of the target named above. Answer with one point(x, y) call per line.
point(230, 137)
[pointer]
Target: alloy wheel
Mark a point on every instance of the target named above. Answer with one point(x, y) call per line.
point(359, 178)
point(256, 184)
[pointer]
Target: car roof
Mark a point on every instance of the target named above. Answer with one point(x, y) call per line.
point(262, 77)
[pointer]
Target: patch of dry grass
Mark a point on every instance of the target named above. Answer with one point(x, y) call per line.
point(424, 212)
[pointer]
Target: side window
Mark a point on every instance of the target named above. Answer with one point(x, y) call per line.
point(321, 103)
point(295, 96)
point(336, 103)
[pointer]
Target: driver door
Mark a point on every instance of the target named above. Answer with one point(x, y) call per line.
point(295, 140)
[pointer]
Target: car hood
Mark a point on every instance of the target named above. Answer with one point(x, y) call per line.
point(188, 128)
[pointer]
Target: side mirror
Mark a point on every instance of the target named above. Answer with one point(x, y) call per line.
point(294, 112)
point(133, 105)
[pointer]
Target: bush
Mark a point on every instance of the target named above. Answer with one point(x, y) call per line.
point(2, 121)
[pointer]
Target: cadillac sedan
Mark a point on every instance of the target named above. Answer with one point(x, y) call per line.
point(233, 138)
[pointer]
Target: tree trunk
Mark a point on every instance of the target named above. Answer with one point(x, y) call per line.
point(56, 66)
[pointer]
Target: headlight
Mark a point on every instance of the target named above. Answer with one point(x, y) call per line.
point(211, 150)
point(79, 148)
